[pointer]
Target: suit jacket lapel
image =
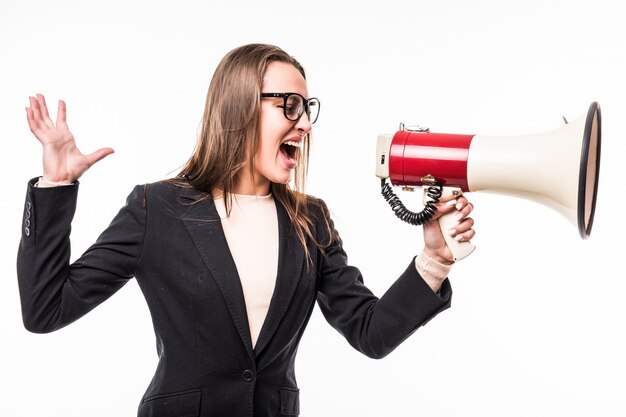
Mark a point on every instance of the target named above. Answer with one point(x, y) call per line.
point(290, 263)
point(203, 224)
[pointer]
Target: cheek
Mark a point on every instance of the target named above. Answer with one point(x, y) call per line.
point(274, 127)
point(267, 151)
point(270, 141)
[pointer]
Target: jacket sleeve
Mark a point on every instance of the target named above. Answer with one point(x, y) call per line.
point(53, 292)
point(371, 325)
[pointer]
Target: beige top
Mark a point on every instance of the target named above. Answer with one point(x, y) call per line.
point(251, 231)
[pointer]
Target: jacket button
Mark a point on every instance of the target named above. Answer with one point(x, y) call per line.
point(27, 231)
point(247, 375)
point(28, 205)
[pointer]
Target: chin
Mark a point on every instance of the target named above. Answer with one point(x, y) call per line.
point(283, 178)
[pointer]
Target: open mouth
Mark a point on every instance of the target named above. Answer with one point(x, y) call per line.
point(290, 149)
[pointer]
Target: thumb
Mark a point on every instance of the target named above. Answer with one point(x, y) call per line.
point(98, 155)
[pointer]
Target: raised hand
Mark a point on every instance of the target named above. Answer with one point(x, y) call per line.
point(62, 161)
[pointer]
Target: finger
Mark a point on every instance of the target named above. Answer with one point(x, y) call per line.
point(62, 114)
point(35, 121)
point(462, 207)
point(464, 237)
point(465, 211)
point(31, 120)
point(461, 203)
point(445, 208)
point(94, 157)
point(34, 105)
point(43, 108)
point(464, 226)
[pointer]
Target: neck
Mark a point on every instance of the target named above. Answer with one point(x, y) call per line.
point(246, 185)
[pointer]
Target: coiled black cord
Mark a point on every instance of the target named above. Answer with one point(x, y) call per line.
point(417, 219)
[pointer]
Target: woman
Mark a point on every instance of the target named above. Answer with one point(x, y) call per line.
point(230, 258)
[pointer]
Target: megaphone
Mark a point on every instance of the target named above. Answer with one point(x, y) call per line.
point(559, 168)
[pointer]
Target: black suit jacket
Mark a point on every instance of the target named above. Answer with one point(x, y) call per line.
point(171, 240)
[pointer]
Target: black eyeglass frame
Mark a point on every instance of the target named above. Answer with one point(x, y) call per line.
point(305, 107)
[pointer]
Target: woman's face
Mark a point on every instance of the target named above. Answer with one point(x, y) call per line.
point(278, 153)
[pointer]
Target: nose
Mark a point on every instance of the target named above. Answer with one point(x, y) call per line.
point(304, 124)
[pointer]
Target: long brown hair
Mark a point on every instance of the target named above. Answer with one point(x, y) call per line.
point(230, 127)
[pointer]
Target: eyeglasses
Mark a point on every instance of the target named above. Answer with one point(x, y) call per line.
point(294, 106)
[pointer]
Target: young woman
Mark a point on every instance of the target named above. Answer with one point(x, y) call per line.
point(230, 255)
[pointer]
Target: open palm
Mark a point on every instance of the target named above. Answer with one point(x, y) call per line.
point(62, 160)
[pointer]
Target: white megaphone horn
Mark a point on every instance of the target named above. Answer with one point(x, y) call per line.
point(558, 168)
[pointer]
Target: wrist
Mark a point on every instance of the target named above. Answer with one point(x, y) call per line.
point(45, 183)
point(53, 180)
point(58, 177)
point(438, 256)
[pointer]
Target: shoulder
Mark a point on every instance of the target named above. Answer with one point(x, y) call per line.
point(167, 186)
point(321, 217)
point(165, 192)
point(171, 187)
point(316, 207)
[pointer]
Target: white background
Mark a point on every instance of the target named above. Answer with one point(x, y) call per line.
point(538, 318)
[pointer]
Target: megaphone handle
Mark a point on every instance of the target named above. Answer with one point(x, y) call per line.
point(459, 250)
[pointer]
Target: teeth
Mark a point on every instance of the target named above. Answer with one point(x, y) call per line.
point(292, 143)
